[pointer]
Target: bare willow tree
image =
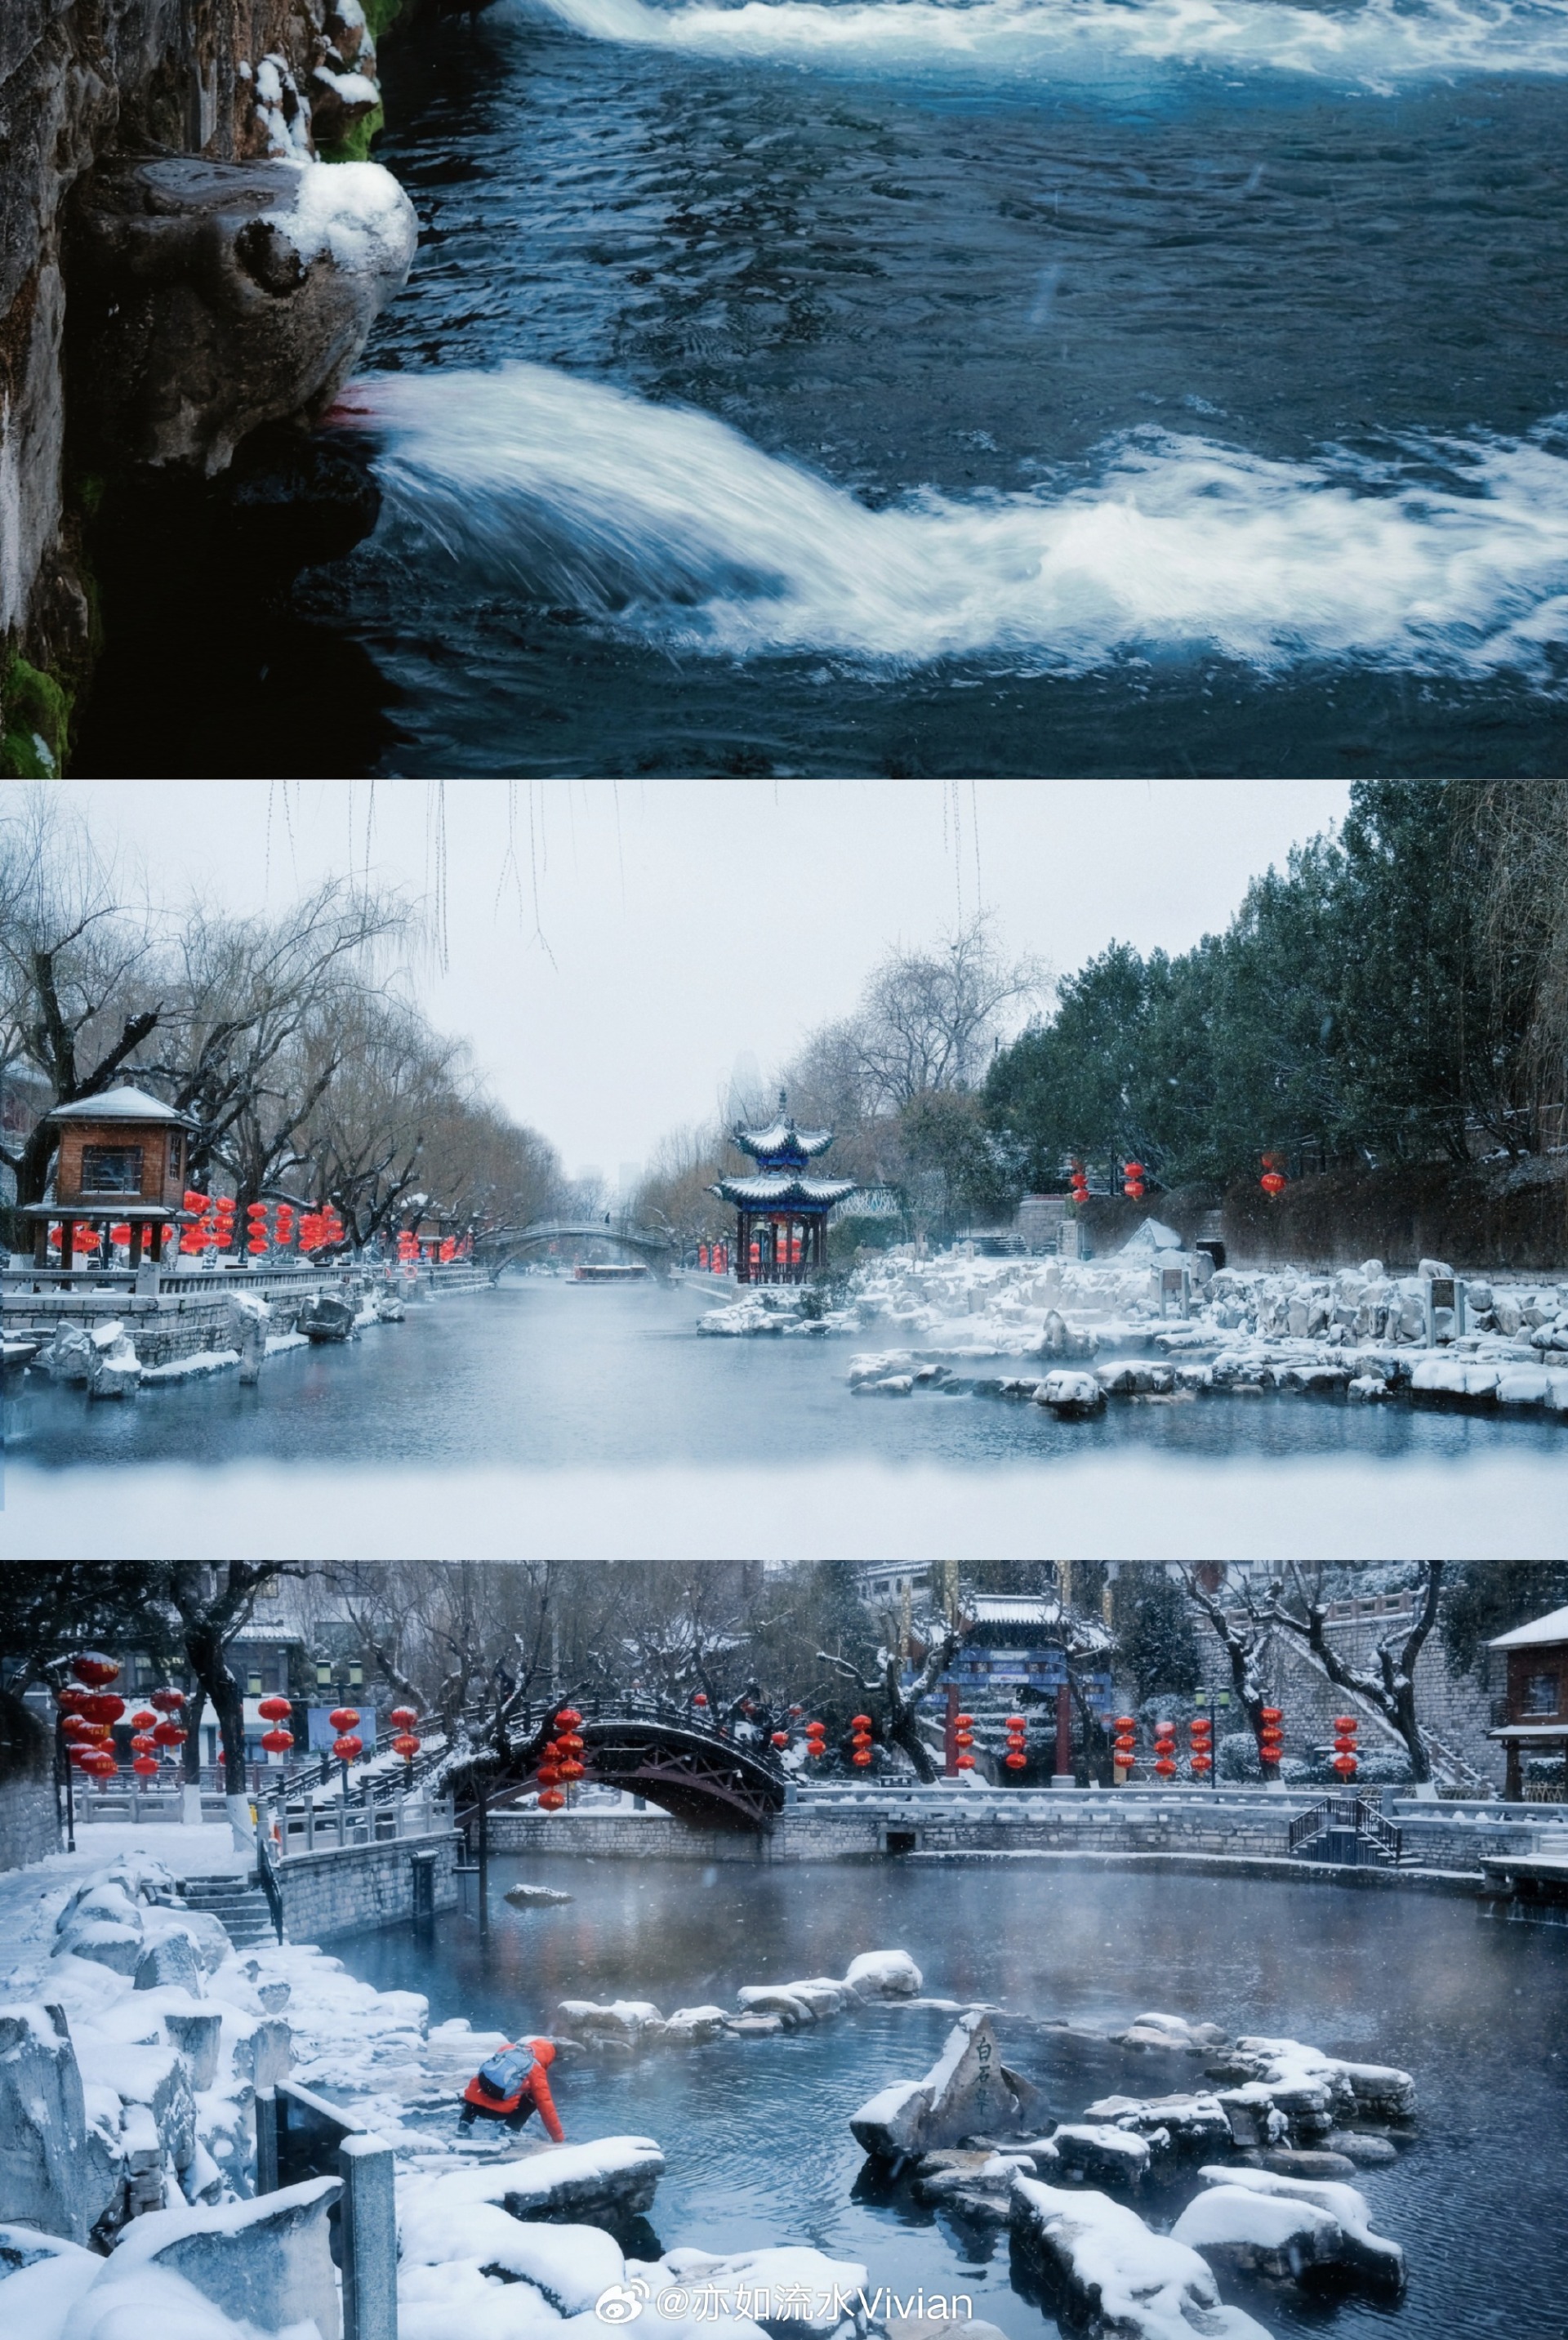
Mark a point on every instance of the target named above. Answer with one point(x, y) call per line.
point(926, 1019)
point(1242, 1632)
point(78, 995)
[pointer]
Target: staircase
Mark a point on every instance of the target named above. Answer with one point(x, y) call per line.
point(237, 1902)
point(1351, 1833)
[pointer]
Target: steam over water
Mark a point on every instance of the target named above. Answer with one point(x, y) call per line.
point(1028, 386)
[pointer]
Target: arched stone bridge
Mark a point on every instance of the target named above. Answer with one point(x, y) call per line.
point(698, 1772)
point(499, 1248)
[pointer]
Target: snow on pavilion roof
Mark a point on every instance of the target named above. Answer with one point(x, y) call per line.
point(782, 1189)
point(1538, 1634)
point(781, 1136)
point(123, 1103)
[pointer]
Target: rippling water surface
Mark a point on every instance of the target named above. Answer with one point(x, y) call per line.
point(757, 2140)
point(1024, 385)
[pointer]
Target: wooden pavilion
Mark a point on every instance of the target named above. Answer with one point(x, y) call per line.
point(782, 1236)
point(121, 1163)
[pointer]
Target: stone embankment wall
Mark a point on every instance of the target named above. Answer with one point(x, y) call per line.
point(356, 1887)
point(1105, 1825)
point(150, 315)
point(29, 1816)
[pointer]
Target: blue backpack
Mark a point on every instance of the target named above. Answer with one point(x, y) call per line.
point(505, 2073)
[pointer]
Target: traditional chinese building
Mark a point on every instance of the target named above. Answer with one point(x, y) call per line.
point(1537, 1695)
point(121, 1163)
point(782, 1236)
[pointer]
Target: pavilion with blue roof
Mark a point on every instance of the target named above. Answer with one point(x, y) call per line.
point(782, 1236)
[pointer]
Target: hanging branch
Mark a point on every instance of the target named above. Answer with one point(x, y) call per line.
point(1391, 1689)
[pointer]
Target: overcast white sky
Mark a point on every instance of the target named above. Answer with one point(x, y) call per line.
point(680, 923)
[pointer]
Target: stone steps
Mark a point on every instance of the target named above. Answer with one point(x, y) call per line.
point(239, 1904)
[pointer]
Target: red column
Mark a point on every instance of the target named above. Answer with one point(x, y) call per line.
point(950, 1735)
point(1064, 1732)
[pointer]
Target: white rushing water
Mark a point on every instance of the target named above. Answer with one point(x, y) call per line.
point(1377, 44)
point(1450, 559)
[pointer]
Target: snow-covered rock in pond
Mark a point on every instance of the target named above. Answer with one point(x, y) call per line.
point(57, 2171)
point(1070, 1393)
point(689, 2026)
point(979, 2179)
point(884, 1974)
point(1110, 2155)
point(775, 1998)
point(611, 2177)
point(1308, 2090)
point(389, 1310)
point(1190, 2124)
point(1302, 2161)
point(790, 2289)
point(1170, 2031)
point(1353, 2246)
point(267, 2263)
point(1119, 2277)
point(528, 1897)
point(968, 2092)
point(756, 2027)
point(69, 1355)
point(1368, 2152)
point(116, 1369)
point(1259, 2233)
point(620, 2023)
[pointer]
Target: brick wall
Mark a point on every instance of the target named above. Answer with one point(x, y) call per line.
point(357, 1888)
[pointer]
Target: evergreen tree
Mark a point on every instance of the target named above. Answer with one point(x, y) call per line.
point(1153, 1629)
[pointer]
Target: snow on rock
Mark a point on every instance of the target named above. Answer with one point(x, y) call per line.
point(266, 2263)
point(1259, 2233)
point(884, 1974)
point(622, 2023)
point(59, 2162)
point(1344, 2208)
point(1120, 2277)
point(1100, 2150)
point(354, 211)
point(1170, 2031)
point(1287, 2085)
point(968, 2092)
point(567, 2265)
point(1070, 1393)
point(1189, 2124)
point(689, 2026)
point(791, 2289)
point(608, 2176)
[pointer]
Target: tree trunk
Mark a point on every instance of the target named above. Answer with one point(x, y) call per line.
point(210, 1664)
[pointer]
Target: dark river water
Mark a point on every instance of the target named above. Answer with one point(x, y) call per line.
point(959, 386)
point(756, 2136)
point(546, 1373)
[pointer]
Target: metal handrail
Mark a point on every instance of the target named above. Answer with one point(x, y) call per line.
point(267, 1875)
point(1352, 1812)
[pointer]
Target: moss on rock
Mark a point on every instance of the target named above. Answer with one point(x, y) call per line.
point(34, 722)
point(355, 145)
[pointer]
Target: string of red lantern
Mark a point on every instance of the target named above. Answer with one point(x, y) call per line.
point(1133, 1181)
point(964, 1740)
point(1346, 1753)
point(1271, 1735)
point(1273, 1181)
point(860, 1741)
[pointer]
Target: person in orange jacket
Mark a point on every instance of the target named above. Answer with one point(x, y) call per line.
point(511, 2086)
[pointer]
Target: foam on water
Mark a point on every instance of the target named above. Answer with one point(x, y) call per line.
point(1378, 43)
point(1446, 557)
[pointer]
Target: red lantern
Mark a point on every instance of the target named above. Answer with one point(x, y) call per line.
point(103, 1765)
point(167, 1701)
point(144, 1766)
point(104, 1706)
point(278, 1742)
point(169, 1734)
point(143, 1720)
point(1016, 1761)
point(1272, 1182)
point(71, 1698)
point(963, 1762)
point(862, 1758)
point(699, 1698)
point(780, 1739)
point(285, 1225)
point(343, 1719)
point(406, 1745)
point(814, 1729)
point(1201, 1762)
point(1165, 1765)
point(348, 1748)
point(816, 1748)
point(274, 1709)
point(1345, 1766)
point(94, 1668)
point(572, 1769)
point(568, 1719)
point(403, 1718)
point(548, 1775)
point(552, 1800)
point(860, 1722)
point(74, 1728)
